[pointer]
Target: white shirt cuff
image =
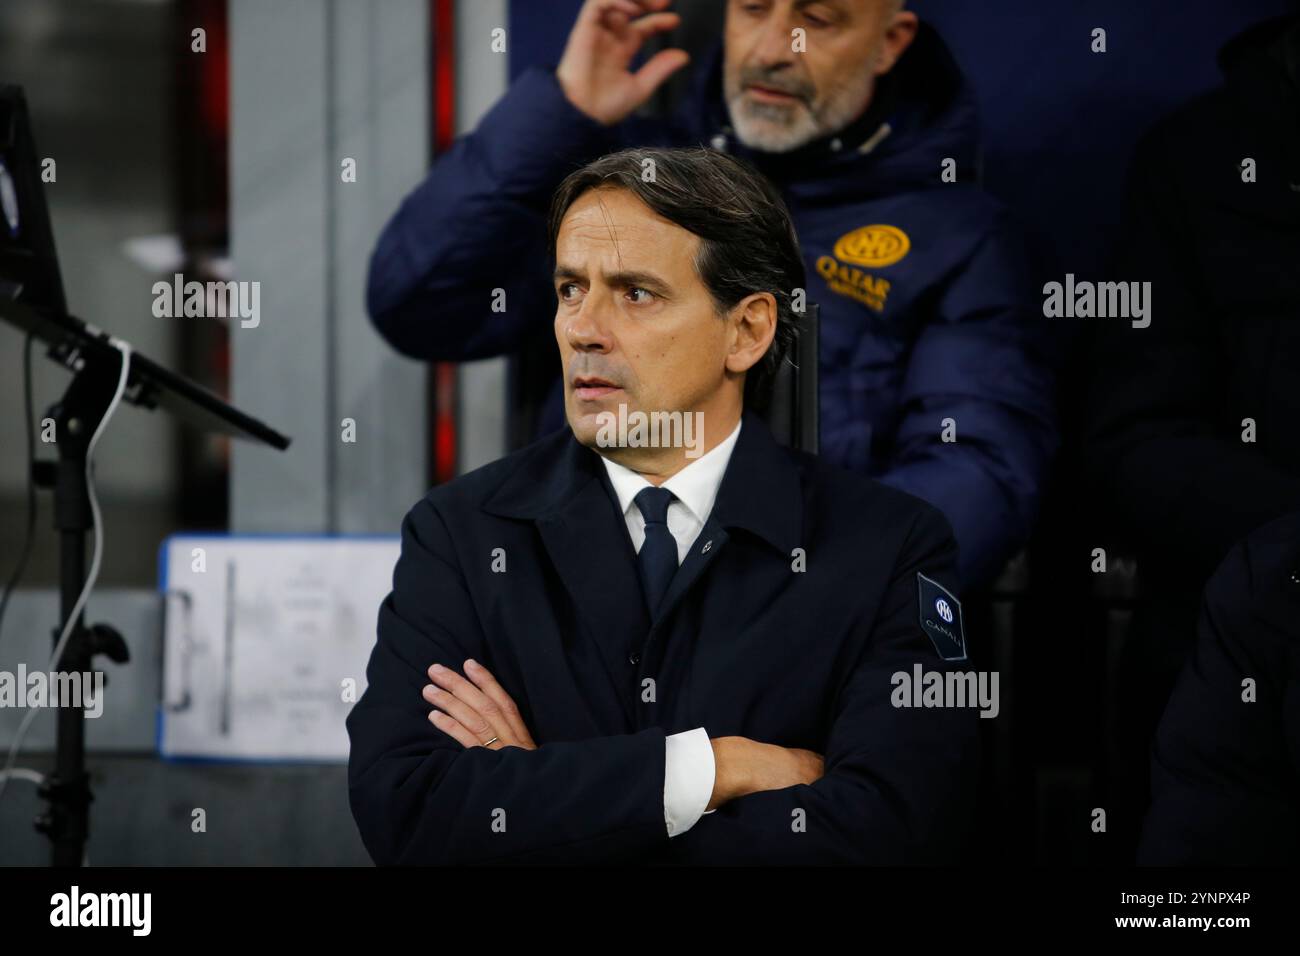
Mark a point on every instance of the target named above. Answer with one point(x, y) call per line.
point(688, 779)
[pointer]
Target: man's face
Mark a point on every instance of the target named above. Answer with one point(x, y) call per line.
point(635, 324)
point(781, 97)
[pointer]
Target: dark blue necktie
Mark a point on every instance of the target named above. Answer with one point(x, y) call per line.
point(657, 559)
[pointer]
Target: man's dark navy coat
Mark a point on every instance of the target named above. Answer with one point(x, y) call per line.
point(744, 644)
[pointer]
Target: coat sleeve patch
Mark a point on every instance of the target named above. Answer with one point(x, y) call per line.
point(941, 618)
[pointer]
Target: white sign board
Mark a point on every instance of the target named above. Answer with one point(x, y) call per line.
point(266, 641)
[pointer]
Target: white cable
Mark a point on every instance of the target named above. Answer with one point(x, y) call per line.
point(23, 773)
point(9, 769)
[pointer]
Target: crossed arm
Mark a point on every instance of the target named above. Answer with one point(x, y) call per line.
point(478, 712)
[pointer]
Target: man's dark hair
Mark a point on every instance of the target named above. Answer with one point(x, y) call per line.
point(747, 240)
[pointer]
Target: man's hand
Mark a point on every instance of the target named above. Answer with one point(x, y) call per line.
point(743, 766)
point(606, 36)
point(475, 713)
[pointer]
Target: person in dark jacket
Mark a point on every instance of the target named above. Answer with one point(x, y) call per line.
point(713, 650)
point(1226, 769)
point(933, 374)
point(1193, 440)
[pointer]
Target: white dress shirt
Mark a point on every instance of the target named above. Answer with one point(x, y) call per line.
point(689, 769)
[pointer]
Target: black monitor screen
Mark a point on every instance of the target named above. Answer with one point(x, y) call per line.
point(29, 267)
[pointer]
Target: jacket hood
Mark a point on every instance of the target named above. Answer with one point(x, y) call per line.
point(922, 112)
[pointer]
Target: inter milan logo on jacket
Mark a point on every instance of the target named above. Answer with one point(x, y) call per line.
point(873, 247)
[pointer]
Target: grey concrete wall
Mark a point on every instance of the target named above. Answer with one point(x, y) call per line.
point(481, 78)
point(132, 690)
point(315, 82)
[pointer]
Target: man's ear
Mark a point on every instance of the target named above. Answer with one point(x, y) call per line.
point(753, 326)
point(900, 31)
